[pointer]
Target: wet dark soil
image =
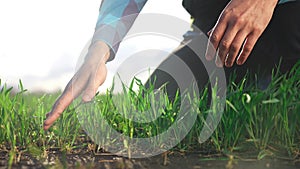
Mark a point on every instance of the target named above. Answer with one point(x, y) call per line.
point(165, 161)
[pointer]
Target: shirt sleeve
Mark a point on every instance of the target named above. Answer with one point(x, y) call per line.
point(284, 1)
point(114, 21)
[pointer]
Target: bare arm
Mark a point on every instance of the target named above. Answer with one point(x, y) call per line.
point(86, 81)
point(115, 19)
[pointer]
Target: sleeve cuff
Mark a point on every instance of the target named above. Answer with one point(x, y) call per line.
point(108, 35)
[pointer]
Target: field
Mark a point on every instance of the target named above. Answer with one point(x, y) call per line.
point(258, 126)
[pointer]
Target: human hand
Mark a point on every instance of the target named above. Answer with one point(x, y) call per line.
point(86, 81)
point(237, 30)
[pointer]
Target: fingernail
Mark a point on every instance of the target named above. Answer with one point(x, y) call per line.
point(45, 126)
point(86, 98)
point(227, 64)
point(208, 56)
point(239, 62)
point(219, 64)
point(209, 33)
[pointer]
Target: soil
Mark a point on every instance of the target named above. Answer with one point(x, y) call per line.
point(165, 161)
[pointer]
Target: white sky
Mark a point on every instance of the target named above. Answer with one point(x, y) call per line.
point(41, 40)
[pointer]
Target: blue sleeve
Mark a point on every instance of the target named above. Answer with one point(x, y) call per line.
point(284, 1)
point(114, 21)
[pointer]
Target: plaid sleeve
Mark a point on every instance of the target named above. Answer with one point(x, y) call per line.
point(114, 21)
point(284, 1)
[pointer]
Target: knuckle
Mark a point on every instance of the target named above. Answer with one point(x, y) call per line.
point(224, 44)
point(226, 13)
point(257, 30)
point(91, 89)
point(224, 16)
point(238, 20)
point(234, 48)
point(247, 49)
point(214, 38)
point(59, 107)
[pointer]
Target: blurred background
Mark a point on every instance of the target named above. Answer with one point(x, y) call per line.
point(41, 40)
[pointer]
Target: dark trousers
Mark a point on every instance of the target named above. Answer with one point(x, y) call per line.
point(280, 41)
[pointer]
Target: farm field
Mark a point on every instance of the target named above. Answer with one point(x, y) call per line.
point(259, 128)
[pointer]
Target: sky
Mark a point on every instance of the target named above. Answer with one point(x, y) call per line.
point(41, 40)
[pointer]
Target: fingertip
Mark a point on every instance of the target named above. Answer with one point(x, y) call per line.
point(46, 126)
point(228, 61)
point(209, 33)
point(208, 57)
point(86, 98)
point(228, 64)
point(219, 64)
point(208, 54)
point(239, 62)
point(49, 121)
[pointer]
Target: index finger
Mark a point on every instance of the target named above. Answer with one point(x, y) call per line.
point(69, 94)
point(60, 105)
point(214, 39)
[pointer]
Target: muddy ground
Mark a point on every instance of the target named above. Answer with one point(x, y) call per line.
point(166, 161)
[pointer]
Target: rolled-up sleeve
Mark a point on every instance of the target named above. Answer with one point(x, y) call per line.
point(114, 21)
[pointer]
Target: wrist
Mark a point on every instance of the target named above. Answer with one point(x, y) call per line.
point(274, 3)
point(99, 49)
